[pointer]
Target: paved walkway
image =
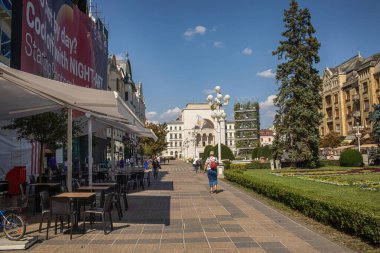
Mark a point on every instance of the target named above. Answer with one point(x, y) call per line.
point(178, 214)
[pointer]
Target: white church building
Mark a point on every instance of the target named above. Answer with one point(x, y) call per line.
point(193, 130)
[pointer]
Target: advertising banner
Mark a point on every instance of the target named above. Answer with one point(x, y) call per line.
point(62, 43)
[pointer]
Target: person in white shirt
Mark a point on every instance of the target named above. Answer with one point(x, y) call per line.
point(195, 165)
point(212, 174)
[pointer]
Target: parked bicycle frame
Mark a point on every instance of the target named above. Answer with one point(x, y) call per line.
point(13, 225)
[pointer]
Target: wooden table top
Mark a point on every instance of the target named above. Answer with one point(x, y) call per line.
point(75, 195)
point(93, 188)
point(104, 184)
point(45, 184)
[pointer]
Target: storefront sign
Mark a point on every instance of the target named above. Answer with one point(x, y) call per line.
point(62, 43)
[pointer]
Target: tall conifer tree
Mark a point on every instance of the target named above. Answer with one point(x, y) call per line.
point(298, 100)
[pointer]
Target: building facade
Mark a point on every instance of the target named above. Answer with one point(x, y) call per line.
point(247, 127)
point(266, 137)
point(230, 135)
point(119, 74)
point(193, 130)
point(349, 92)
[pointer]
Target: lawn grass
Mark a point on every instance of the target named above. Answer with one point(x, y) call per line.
point(369, 200)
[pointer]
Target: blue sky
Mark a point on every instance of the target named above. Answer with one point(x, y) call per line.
point(181, 49)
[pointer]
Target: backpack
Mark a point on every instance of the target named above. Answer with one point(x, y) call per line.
point(213, 164)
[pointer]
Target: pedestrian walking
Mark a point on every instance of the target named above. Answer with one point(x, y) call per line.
point(146, 164)
point(155, 166)
point(211, 166)
point(132, 161)
point(196, 165)
point(121, 163)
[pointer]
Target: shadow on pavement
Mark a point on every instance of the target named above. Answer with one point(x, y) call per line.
point(149, 210)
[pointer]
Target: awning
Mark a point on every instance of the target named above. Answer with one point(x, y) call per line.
point(23, 94)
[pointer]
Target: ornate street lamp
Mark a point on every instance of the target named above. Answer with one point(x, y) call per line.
point(219, 116)
point(358, 128)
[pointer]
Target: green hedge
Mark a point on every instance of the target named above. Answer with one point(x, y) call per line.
point(238, 166)
point(227, 164)
point(330, 163)
point(249, 166)
point(256, 165)
point(344, 216)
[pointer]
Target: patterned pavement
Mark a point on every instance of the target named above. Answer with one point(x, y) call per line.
point(178, 214)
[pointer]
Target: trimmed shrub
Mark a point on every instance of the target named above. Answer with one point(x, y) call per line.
point(264, 151)
point(226, 152)
point(237, 166)
point(226, 164)
point(345, 216)
point(256, 165)
point(255, 153)
point(206, 152)
point(351, 157)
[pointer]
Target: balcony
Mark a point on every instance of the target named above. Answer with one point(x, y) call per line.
point(245, 120)
point(355, 97)
point(246, 110)
point(245, 129)
point(328, 105)
point(329, 119)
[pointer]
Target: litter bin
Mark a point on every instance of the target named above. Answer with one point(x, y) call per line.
point(16, 176)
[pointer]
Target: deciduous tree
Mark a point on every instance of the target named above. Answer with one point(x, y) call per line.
point(155, 147)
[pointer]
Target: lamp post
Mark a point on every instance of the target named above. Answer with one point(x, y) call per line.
point(358, 128)
point(218, 115)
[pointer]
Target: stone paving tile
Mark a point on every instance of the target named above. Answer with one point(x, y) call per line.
point(177, 214)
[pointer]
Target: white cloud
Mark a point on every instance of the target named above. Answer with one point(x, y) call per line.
point(208, 91)
point(247, 51)
point(171, 114)
point(218, 44)
point(191, 32)
point(153, 122)
point(267, 111)
point(150, 115)
point(266, 73)
point(267, 104)
point(120, 56)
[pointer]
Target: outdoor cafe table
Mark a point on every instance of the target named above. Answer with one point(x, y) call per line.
point(79, 198)
point(94, 188)
point(39, 187)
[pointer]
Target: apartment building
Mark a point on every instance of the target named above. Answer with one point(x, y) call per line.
point(349, 92)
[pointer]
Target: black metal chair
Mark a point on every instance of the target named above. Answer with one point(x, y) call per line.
point(45, 206)
point(64, 188)
point(101, 211)
point(60, 207)
point(147, 178)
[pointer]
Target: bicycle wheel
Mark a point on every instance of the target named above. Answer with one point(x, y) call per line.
point(14, 227)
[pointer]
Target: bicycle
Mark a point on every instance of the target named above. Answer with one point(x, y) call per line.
point(13, 225)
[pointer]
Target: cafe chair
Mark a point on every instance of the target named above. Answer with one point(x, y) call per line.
point(101, 211)
point(117, 203)
point(22, 202)
point(45, 206)
point(32, 180)
point(64, 188)
point(61, 207)
point(147, 178)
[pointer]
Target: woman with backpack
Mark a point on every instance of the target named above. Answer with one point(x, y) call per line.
point(211, 165)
